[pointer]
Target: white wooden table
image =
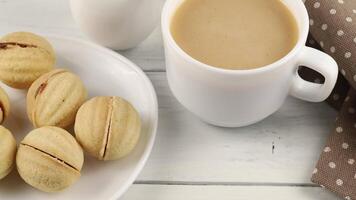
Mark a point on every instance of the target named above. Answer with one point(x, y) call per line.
point(273, 159)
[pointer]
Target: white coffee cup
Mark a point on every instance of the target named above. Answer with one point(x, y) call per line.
point(117, 24)
point(235, 98)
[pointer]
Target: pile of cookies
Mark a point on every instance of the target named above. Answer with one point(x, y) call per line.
point(49, 158)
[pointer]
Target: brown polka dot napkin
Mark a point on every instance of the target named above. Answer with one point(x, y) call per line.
point(333, 30)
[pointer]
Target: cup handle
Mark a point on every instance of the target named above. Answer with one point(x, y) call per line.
point(322, 63)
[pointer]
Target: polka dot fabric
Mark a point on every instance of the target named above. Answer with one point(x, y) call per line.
point(334, 26)
point(333, 30)
point(336, 169)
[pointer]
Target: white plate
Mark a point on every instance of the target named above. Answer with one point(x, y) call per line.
point(104, 73)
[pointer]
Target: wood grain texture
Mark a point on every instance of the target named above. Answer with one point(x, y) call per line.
point(269, 160)
point(41, 16)
point(179, 192)
point(281, 149)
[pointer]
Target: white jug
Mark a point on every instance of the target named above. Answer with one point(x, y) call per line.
point(117, 24)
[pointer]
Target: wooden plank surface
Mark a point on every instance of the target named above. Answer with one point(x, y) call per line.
point(192, 160)
point(281, 149)
point(179, 192)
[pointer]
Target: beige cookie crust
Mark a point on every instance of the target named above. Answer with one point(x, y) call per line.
point(49, 159)
point(8, 151)
point(108, 128)
point(54, 98)
point(24, 57)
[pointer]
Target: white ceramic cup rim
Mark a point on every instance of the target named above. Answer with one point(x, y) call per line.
point(304, 30)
